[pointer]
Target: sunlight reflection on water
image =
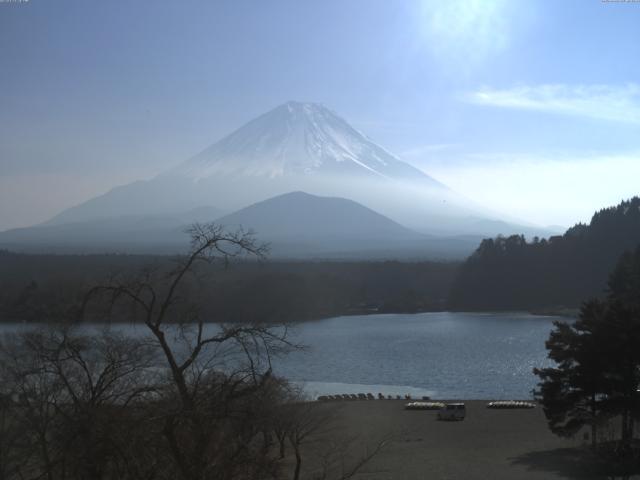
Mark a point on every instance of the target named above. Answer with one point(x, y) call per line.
point(448, 355)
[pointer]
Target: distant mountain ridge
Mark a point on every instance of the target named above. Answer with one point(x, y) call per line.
point(125, 233)
point(297, 225)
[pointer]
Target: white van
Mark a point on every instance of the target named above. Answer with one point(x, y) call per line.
point(452, 411)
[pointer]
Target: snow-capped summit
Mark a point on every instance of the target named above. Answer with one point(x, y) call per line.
point(294, 147)
point(298, 139)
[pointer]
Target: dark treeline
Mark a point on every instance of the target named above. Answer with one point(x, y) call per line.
point(36, 286)
point(509, 273)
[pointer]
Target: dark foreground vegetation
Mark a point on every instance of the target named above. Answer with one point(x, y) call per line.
point(510, 273)
point(182, 401)
point(596, 381)
point(33, 287)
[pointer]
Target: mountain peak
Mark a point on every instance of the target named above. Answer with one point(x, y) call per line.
point(307, 107)
point(302, 215)
point(299, 139)
point(305, 116)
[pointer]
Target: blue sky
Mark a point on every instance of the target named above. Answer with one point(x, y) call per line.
point(531, 108)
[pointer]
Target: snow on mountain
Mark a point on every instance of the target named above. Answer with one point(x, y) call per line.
point(299, 139)
point(294, 147)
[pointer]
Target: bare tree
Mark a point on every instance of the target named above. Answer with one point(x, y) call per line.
point(215, 370)
point(189, 399)
point(68, 391)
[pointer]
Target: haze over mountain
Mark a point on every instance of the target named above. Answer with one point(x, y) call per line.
point(299, 214)
point(132, 233)
point(302, 225)
point(379, 204)
point(296, 225)
point(296, 147)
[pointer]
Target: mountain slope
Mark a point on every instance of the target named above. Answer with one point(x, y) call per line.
point(300, 139)
point(301, 215)
point(300, 225)
point(294, 147)
point(296, 225)
point(299, 147)
point(126, 233)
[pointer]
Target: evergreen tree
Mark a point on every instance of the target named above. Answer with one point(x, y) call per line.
point(597, 358)
point(572, 392)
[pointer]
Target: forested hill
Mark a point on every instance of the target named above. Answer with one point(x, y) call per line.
point(509, 273)
point(38, 287)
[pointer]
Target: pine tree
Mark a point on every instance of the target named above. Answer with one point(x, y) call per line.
point(572, 392)
point(597, 358)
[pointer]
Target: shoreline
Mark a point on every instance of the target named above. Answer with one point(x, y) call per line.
point(314, 390)
point(562, 312)
point(567, 313)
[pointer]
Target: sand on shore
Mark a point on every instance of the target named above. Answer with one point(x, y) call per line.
point(488, 444)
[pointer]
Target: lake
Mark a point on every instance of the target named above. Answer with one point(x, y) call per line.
point(443, 355)
point(447, 355)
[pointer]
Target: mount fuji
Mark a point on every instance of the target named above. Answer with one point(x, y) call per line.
point(294, 147)
point(300, 139)
point(302, 147)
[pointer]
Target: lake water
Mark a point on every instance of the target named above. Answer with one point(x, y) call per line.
point(444, 355)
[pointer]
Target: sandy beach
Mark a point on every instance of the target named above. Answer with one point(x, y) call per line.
point(488, 444)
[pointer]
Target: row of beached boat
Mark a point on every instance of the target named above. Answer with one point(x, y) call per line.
point(363, 396)
point(424, 406)
point(509, 404)
point(502, 404)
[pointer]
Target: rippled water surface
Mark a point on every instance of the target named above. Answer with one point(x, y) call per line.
point(447, 355)
point(444, 355)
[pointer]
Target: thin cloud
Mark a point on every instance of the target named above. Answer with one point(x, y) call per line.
point(602, 102)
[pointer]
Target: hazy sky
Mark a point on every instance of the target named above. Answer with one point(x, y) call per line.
point(531, 108)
